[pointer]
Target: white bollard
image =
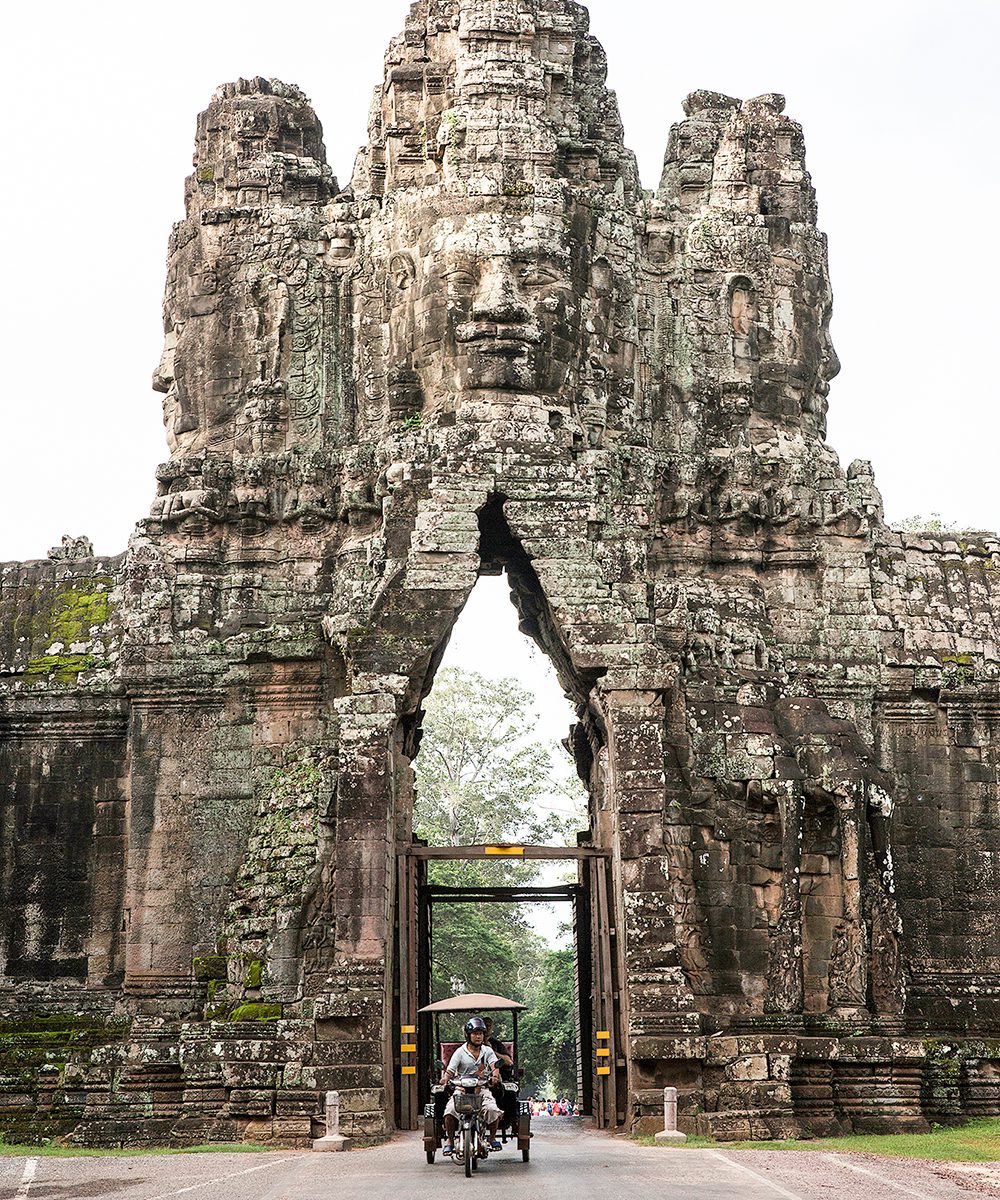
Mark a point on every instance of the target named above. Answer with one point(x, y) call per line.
point(333, 1140)
point(670, 1131)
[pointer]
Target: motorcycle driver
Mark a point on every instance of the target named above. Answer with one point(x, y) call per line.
point(474, 1058)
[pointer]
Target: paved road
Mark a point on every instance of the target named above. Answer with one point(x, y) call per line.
point(569, 1162)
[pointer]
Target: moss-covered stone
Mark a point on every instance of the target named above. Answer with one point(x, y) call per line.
point(257, 1012)
point(209, 967)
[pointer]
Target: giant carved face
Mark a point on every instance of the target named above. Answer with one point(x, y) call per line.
point(800, 360)
point(491, 299)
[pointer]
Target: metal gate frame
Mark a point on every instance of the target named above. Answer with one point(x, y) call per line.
point(602, 1074)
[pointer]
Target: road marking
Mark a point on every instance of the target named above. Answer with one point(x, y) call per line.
point(194, 1187)
point(874, 1175)
point(30, 1167)
point(763, 1178)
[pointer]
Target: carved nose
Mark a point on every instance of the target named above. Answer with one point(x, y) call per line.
point(832, 362)
point(499, 299)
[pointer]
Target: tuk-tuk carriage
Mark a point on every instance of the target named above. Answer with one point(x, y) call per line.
point(515, 1123)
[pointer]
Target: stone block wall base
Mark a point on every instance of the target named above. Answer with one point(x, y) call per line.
point(750, 1126)
point(333, 1142)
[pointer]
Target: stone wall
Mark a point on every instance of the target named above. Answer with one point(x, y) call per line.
point(493, 351)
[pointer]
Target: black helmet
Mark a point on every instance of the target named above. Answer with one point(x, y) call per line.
point(475, 1025)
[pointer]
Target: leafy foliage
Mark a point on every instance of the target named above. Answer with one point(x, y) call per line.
point(481, 776)
point(935, 523)
point(549, 1029)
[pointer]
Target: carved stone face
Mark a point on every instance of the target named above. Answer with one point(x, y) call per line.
point(802, 358)
point(490, 302)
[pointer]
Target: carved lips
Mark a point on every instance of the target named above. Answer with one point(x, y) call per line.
point(502, 341)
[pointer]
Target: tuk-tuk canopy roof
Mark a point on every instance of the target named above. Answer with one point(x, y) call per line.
point(474, 1002)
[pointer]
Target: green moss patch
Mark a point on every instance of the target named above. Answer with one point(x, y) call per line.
point(61, 1029)
point(209, 967)
point(63, 666)
point(257, 1012)
point(66, 618)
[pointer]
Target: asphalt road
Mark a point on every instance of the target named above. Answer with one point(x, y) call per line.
point(568, 1162)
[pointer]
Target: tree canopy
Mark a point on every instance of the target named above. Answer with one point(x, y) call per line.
point(481, 774)
point(550, 1027)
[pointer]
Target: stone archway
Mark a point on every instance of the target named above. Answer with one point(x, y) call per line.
point(492, 348)
point(398, 649)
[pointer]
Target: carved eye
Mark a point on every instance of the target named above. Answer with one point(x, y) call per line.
point(461, 277)
point(535, 275)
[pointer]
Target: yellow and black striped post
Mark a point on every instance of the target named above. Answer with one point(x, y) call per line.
point(603, 1052)
point(407, 1047)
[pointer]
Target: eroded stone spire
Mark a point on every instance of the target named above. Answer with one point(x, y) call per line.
point(495, 98)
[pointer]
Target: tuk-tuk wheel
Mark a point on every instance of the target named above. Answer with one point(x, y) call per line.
point(430, 1156)
point(525, 1154)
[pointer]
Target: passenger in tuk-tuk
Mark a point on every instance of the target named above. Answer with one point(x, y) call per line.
point(474, 1058)
point(506, 1100)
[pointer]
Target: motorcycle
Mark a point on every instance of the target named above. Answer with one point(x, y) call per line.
point(472, 1135)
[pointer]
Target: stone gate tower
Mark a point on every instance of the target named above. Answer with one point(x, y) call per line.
point(492, 350)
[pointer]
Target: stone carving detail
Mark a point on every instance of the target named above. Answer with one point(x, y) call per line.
point(72, 548)
point(492, 351)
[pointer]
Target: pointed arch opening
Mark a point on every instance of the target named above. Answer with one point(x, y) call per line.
point(497, 765)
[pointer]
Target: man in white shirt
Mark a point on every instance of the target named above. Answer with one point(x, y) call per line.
point(474, 1058)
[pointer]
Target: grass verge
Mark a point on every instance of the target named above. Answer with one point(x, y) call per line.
point(977, 1141)
point(58, 1149)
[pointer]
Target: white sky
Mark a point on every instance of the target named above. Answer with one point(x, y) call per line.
point(901, 112)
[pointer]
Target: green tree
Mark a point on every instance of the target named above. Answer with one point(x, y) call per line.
point(548, 1029)
point(482, 777)
point(935, 523)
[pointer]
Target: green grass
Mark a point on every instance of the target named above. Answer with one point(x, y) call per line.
point(694, 1142)
point(978, 1141)
point(58, 1149)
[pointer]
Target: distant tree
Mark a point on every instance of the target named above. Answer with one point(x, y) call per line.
point(485, 948)
point(482, 777)
point(935, 523)
point(548, 1029)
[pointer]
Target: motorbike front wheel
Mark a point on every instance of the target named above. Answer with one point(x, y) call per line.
point(467, 1138)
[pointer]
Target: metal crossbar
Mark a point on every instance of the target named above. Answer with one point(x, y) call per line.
point(439, 894)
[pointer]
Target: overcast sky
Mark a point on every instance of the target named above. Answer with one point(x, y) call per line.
point(901, 114)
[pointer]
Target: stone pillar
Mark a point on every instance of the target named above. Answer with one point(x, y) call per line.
point(785, 958)
point(333, 1139)
point(670, 1132)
